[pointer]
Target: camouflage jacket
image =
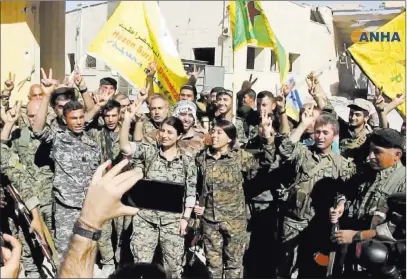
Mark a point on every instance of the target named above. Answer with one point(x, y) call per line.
point(17, 174)
point(76, 159)
point(319, 179)
point(149, 126)
point(373, 190)
point(222, 179)
point(35, 155)
point(181, 169)
point(354, 146)
point(108, 141)
point(192, 144)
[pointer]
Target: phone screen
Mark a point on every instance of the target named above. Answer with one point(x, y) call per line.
point(156, 195)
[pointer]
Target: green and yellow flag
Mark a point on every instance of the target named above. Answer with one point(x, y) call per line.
point(250, 27)
point(384, 61)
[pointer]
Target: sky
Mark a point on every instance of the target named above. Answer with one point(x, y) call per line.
point(71, 5)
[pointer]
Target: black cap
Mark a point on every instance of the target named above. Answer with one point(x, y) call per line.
point(109, 81)
point(217, 89)
point(387, 138)
point(69, 92)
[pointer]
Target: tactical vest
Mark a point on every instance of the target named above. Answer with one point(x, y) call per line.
point(300, 191)
point(375, 200)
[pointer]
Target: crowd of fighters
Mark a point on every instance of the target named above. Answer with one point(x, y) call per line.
point(266, 188)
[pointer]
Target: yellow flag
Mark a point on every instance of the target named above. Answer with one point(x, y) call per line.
point(382, 56)
point(134, 36)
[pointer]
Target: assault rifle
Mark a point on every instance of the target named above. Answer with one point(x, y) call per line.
point(22, 211)
point(329, 260)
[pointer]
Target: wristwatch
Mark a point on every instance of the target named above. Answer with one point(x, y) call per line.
point(83, 90)
point(79, 229)
point(357, 236)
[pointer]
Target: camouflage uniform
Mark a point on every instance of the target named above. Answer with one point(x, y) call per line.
point(108, 141)
point(224, 219)
point(371, 195)
point(192, 144)
point(151, 227)
point(318, 180)
point(149, 126)
point(27, 187)
point(76, 159)
point(354, 145)
point(34, 154)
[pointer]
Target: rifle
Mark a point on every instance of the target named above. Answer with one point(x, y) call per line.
point(22, 210)
point(329, 260)
point(197, 226)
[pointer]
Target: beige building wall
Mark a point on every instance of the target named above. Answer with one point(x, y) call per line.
point(27, 43)
point(198, 24)
point(93, 18)
point(298, 34)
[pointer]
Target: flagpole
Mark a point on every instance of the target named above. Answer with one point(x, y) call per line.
point(223, 38)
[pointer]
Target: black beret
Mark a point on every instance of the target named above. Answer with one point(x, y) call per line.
point(109, 81)
point(69, 92)
point(387, 138)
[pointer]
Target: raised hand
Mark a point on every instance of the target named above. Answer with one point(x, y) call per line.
point(379, 103)
point(103, 97)
point(142, 95)
point(307, 117)
point(14, 113)
point(9, 83)
point(266, 124)
point(48, 85)
point(280, 101)
point(152, 69)
point(196, 72)
point(312, 81)
point(247, 84)
point(79, 80)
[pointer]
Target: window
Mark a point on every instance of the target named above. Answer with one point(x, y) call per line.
point(255, 59)
point(294, 62)
point(90, 62)
point(205, 54)
point(273, 62)
point(250, 58)
point(71, 58)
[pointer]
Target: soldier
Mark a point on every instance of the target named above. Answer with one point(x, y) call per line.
point(386, 175)
point(224, 104)
point(222, 169)
point(76, 157)
point(158, 106)
point(35, 155)
point(59, 98)
point(320, 173)
point(163, 162)
point(16, 174)
point(265, 102)
point(194, 139)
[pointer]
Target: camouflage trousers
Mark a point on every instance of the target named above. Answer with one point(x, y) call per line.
point(30, 257)
point(224, 247)
point(289, 247)
point(65, 218)
point(105, 242)
point(46, 214)
point(145, 238)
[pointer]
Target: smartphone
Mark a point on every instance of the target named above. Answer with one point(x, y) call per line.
point(156, 195)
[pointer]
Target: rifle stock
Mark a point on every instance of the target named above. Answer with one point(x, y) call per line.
point(23, 211)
